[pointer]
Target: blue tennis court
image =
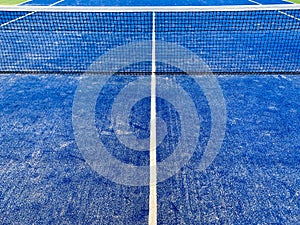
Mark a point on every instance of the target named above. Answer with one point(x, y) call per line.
point(154, 3)
point(103, 112)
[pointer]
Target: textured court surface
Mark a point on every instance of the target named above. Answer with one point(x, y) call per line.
point(156, 3)
point(253, 180)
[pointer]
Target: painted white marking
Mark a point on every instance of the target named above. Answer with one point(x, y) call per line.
point(291, 16)
point(288, 1)
point(25, 2)
point(28, 14)
point(255, 2)
point(152, 9)
point(55, 3)
point(14, 20)
point(286, 14)
point(153, 167)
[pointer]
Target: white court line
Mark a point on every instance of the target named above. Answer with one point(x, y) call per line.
point(254, 2)
point(286, 14)
point(231, 8)
point(14, 20)
point(153, 167)
point(24, 2)
point(289, 15)
point(28, 14)
point(55, 3)
point(288, 1)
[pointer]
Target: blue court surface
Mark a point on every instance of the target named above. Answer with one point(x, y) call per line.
point(76, 113)
point(154, 3)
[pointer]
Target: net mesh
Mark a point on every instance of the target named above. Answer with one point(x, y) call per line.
point(229, 42)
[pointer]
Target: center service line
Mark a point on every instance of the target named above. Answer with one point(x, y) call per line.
point(153, 167)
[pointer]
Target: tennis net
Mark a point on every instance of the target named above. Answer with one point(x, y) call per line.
point(229, 40)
